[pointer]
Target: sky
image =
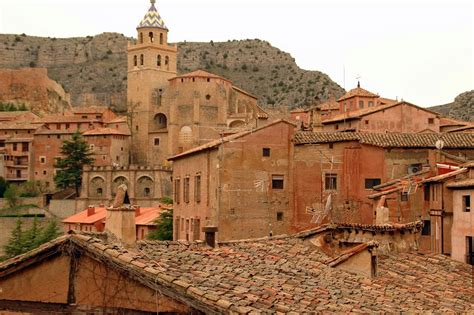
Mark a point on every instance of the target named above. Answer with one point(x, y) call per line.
point(419, 51)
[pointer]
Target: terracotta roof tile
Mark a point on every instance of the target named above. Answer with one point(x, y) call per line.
point(465, 183)
point(199, 74)
point(105, 131)
point(358, 91)
point(402, 140)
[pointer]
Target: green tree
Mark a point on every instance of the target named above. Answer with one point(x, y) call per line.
point(50, 232)
point(3, 186)
point(29, 238)
point(12, 196)
point(15, 243)
point(76, 154)
point(164, 227)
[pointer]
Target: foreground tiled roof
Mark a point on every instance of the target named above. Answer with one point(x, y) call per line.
point(394, 140)
point(278, 275)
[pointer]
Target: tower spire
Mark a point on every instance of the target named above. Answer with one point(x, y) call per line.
point(152, 18)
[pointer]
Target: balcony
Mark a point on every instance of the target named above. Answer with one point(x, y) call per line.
point(12, 178)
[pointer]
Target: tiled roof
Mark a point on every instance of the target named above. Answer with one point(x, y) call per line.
point(442, 177)
point(17, 125)
point(199, 74)
point(65, 119)
point(105, 131)
point(147, 215)
point(358, 91)
point(90, 110)
point(444, 121)
point(217, 142)
point(388, 140)
point(461, 129)
point(283, 274)
point(359, 113)
point(152, 18)
point(465, 183)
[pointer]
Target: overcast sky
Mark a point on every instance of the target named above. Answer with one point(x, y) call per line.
point(421, 51)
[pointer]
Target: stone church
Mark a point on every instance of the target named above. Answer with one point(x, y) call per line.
point(169, 114)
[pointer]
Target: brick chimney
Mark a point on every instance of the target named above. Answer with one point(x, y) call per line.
point(120, 219)
point(137, 210)
point(90, 210)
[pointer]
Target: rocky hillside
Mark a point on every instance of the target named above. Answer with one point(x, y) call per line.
point(93, 70)
point(462, 108)
point(32, 89)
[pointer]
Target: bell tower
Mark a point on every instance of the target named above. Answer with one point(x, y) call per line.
point(151, 62)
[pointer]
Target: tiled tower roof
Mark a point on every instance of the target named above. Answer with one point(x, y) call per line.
point(152, 18)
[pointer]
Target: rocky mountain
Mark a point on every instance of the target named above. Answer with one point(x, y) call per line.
point(462, 108)
point(93, 69)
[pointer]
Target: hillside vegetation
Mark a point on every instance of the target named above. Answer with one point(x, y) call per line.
point(93, 69)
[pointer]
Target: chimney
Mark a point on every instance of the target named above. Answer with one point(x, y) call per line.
point(90, 210)
point(120, 219)
point(137, 210)
point(382, 212)
point(210, 235)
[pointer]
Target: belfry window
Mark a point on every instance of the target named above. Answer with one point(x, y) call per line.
point(141, 38)
point(150, 34)
point(135, 60)
point(141, 60)
point(158, 60)
point(161, 38)
point(167, 62)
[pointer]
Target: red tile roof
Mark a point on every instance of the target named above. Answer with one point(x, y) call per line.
point(199, 74)
point(105, 131)
point(388, 140)
point(358, 91)
point(90, 110)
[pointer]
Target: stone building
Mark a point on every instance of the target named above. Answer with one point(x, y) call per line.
point(169, 113)
point(146, 184)
point(344, 168)
point(241, 183)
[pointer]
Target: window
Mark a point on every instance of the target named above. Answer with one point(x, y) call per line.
point(67, 125)
point(366, 122)
point(141, 38)
point(135, 61)
point(176, 191)
point(361, 104)
point(58, 126)
point(24, 147)
point(331, 145)
point(430, 121)
point(58, 136)
point(158, 60)
point(146, 191)
point(45, 172)
point(208, 97)
point(197, 188)
point(426, 227)
point(92, 147)
point(150, 35)
point(156, 141)
point(466, 203)
point(167, 60)
point(330, 181)
point(42, 159)
point(161, 38)
point(14, 147)
point(470, 250)
point(404, 196)
point(277, 181)
point(99, 192)
point(336, 127)
point(186, 189)
point(279, 216)
point(371, 182)
point(371, 103)
point(142, 60)
point(266, 152)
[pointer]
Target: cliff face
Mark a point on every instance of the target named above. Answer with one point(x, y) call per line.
point(94, 69)
point(462, 108)
point(33, 88)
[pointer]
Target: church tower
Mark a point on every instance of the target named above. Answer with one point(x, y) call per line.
point(151, 62)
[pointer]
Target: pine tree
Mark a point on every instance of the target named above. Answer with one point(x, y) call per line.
point(50, 232)
point(12, 196)
point(164, 227)
point(76, 154)
point(15, 244)
point(30, 236)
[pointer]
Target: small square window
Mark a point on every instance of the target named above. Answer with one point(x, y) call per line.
point(430, 121)
point(426, 227)
point(277, 181)
point(371, 182)
point(330, 181)
point(266, 152)
point(279, 216)
point(156, 141)
point(45, 172)
point(331, 145)
point(42, 159)
point(404, 196)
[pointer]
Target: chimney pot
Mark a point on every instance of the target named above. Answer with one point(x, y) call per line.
point(137, 210)
point(90, 210)
point(210, 235)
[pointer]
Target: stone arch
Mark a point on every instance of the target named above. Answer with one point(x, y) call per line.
point(161, 38)
point(144, 187)
point(237, 124)
point(142, 60)
point(119, 180)
point(97, 186)
point(141, 38)
point(158, 60)
point(135, 60)
point(150, 35)
point(167, 62)
point(185, 135)
point(160, 120)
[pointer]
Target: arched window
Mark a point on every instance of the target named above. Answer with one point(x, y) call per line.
point(135, 61)
point(160, 121)
point(158, 60)
point(150, 34)
point(99, 192)
point(141, 38)
point(156, 97)
point(141, 60)
point(144, 187)
point(167, 62)
point(186, 135)
point(161, 38)
point(96, 186)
